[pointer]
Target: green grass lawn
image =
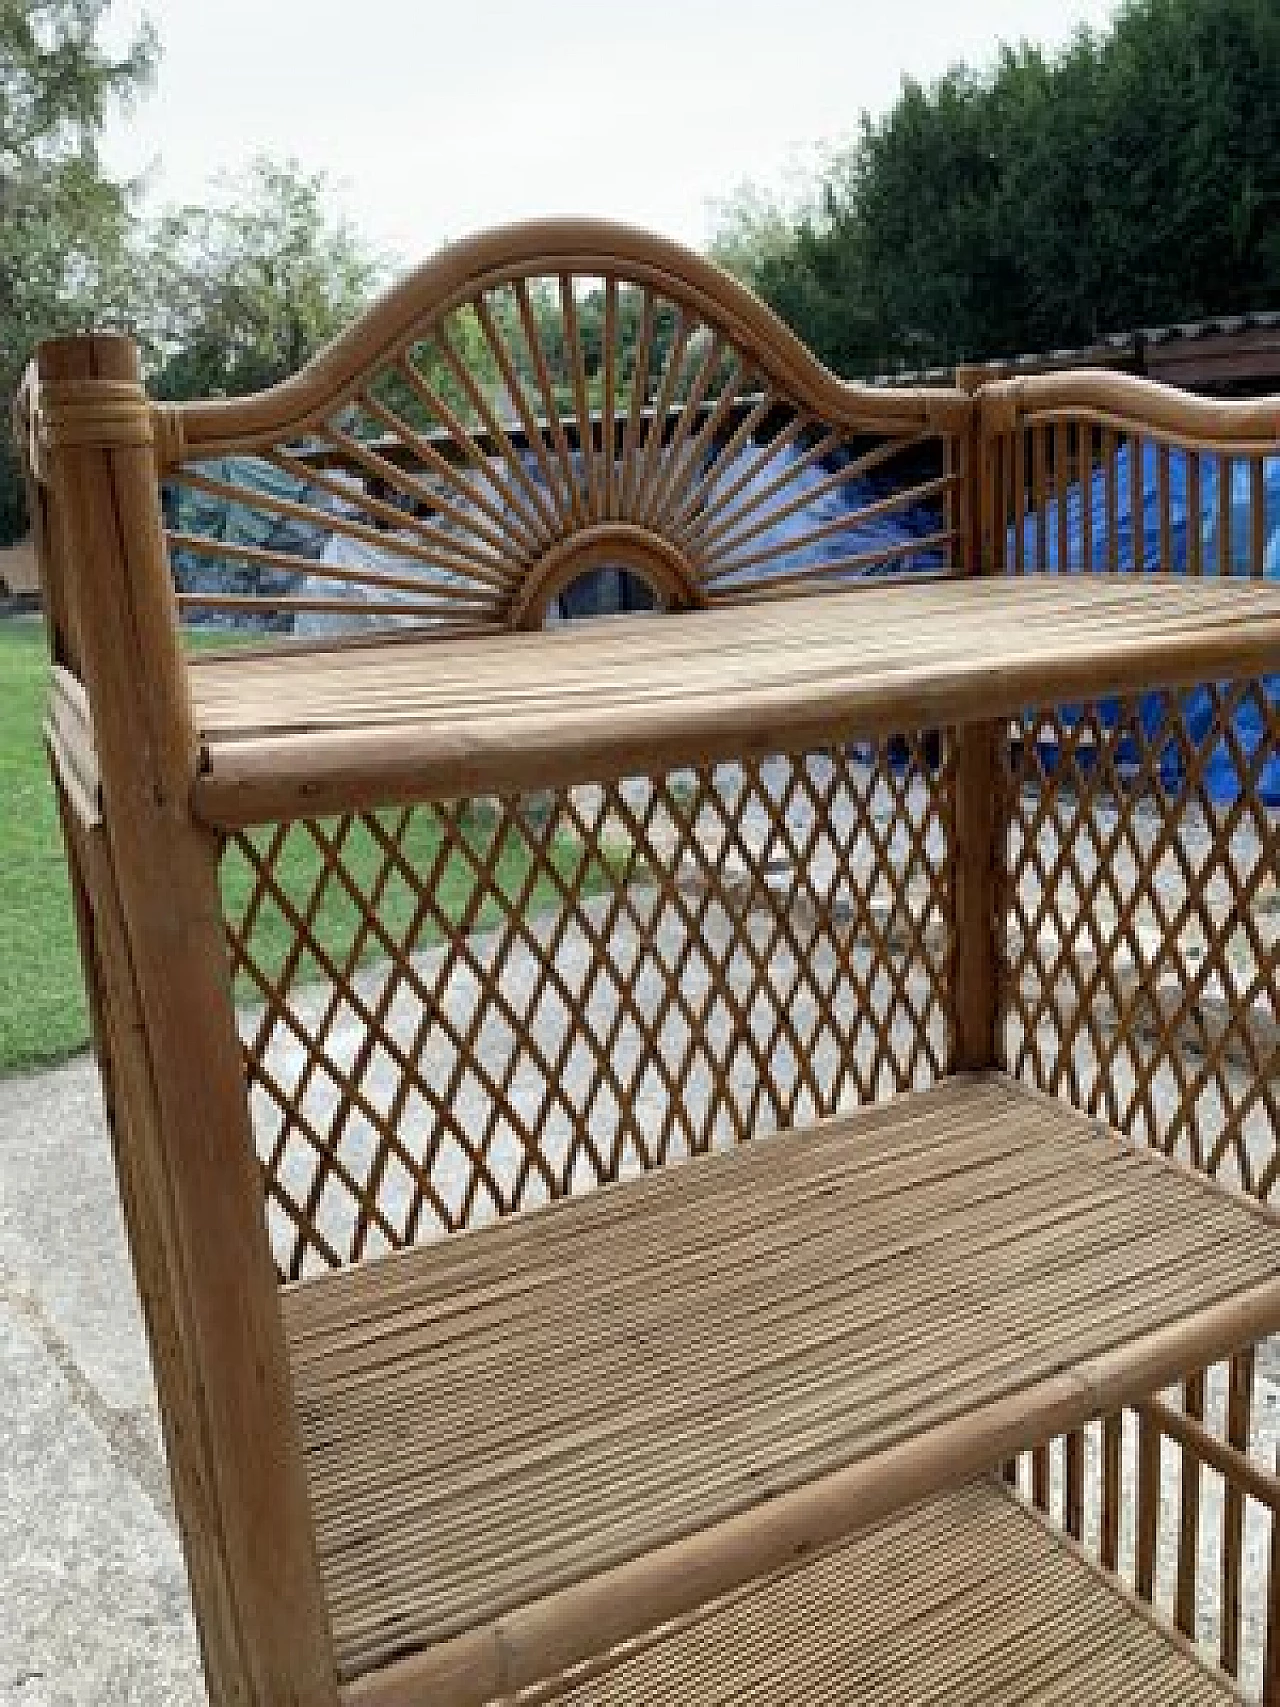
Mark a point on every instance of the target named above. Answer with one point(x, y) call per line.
point(42, 1007)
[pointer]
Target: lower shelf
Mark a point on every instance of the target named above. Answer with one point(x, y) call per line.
point(531, 1442)
point(968, 1600)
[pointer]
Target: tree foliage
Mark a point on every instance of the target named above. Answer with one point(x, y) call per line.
point(1134, 179)
point(64, 225)
point(225, 297)
point(245, 288)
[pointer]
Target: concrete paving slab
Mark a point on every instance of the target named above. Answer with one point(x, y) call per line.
point(93, 1597)
point(94, 1606)
point(61, 1230)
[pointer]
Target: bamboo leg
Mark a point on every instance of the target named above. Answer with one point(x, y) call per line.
point(977, 832)
point(158, 961)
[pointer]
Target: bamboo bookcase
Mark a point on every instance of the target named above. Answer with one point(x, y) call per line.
point(901, 844)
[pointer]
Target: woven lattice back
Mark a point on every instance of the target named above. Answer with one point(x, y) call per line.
point(535, 407)
point(460, 1011)
point(1141, 941)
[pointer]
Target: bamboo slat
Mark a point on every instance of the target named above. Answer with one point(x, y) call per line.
point(1239, 1405)
point(860, 1343)
point(1073, 1489)
point(1085, 488)
point(1040, 1480)
point(1147, 1517)
point(1185, 1596)
point(341, 727)
point(1112, 1491)
point(1139, 556)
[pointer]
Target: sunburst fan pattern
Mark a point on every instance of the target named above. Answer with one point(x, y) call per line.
point(536, 428)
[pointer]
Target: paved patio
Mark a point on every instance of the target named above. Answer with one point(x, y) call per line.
point(94, 1609)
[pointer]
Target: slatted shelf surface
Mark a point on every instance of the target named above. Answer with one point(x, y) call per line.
point(968, 1600)
point(331, 728)
point(505, 1414)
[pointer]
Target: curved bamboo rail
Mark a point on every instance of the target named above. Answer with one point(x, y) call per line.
point(539, 402)
point(1129, 404)
point(550, 248)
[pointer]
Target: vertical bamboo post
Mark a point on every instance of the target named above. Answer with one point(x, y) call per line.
point(49, 558)
point(1184, 1615)
point(162, 995)
point(1073, 1478)
point(1040, 1478)
point(977, 832)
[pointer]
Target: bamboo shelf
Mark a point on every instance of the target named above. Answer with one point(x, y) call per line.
point(370, 724)
point(625, 1127)
point(969, 1599)
point(582, 1421)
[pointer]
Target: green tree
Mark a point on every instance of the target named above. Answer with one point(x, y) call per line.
point(1132, 179)
point(64, 224)
point(753, 226)
point(246, 288)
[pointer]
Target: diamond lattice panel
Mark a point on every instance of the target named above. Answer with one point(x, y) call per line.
point(450, 1013)
point(1142, 972)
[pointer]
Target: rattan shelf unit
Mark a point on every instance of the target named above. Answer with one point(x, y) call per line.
point(964, 876)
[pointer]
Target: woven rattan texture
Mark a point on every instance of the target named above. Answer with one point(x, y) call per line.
point(457, 1012)
point(966, 1600)
point(1142, 966)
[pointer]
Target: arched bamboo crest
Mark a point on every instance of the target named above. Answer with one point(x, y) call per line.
point(539, 402)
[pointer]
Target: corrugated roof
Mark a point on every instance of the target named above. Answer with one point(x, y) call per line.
point(1133, 350)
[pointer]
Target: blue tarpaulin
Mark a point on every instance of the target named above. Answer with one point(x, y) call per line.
point(1137, 546)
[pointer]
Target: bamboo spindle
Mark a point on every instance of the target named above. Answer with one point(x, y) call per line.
point(1189, 1525)
point(976, 985)
point(1239, 1405)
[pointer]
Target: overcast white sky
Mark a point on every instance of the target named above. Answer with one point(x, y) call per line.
point(434, 119)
